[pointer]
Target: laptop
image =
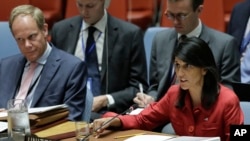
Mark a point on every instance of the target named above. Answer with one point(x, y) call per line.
point(242, 90)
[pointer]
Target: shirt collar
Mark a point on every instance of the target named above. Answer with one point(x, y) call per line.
point(100, 25)
point(194, 33)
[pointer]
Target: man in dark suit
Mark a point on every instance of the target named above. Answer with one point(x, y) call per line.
point(119, 48)
point(58, 77)
point(239, 27)
point(185, 17)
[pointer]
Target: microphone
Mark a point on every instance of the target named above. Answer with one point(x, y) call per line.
point(130, 109)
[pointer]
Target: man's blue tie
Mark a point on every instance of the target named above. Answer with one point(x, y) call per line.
point(92, 63)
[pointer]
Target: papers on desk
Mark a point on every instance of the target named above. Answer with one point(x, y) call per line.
point(37, 110)
point(3, 115)
point(3, 126)
point(170, 138)
point(41, 116)
point(46, 109)
point(192, 138)
point(149, 138)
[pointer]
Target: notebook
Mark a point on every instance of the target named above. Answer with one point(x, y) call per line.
point(242, 90)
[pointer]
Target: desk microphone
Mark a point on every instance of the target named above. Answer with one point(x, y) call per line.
point(130, 109)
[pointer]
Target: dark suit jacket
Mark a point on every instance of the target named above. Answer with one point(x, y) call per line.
point(123, 63)
point(223, 46)
point(62, 80)
point(238, 21)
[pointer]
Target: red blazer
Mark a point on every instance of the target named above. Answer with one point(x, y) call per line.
point(188, 121)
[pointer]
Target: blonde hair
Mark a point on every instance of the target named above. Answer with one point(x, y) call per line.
point(25, 10)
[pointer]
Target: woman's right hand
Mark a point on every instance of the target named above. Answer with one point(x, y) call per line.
point(99, 125)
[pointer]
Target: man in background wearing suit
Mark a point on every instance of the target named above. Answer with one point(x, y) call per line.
point(185, 17)
point(120, 53)
point(239, 27)
point(56, 77)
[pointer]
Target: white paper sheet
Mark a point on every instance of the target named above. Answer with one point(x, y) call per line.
point(191, 138)
point(136, 111)
point(3, 126)
point(44, 109)
point(3, 114)
point(149, 138)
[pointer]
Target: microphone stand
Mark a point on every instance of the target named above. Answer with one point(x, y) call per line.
point(105, 123)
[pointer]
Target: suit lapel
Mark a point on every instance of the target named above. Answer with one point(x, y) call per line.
point(204, 34)
point(243, 20)
point(111, 36)
point(16, 77)
point(73, 35)
point(168, 47)
point(47, 74)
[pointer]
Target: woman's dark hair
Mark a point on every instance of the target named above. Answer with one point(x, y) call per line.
point(196, 52)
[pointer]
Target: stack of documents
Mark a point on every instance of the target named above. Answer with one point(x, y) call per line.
point(45, 115)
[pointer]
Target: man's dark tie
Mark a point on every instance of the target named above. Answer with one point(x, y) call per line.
point(181, 38)
point(92, 63)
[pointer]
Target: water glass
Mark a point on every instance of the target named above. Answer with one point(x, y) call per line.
point(82, 130)
point(18, 119)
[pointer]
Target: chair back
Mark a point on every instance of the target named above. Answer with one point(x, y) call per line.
point(245, 106)
point(168, 129)
point(71, 9)
point(53, 11)
point(148, 39)
point(142, 12)
point(8, 45)
point(7, 5)
point(118, 9)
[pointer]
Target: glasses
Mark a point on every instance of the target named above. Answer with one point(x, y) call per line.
point(179, 17)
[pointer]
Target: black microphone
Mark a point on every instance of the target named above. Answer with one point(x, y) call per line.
point(130, 109)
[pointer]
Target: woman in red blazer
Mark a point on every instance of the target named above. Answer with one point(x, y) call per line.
point(197, 106)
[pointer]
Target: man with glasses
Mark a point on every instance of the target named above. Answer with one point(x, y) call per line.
point(184, 15)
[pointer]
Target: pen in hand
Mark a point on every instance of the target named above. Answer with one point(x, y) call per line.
point(141, 88)
point(141, 91)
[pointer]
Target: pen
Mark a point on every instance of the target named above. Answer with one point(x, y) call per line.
point(141, 91)
point(141, 88)
point(129, 135)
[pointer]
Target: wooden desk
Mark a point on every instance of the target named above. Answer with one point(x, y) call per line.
point(110, 135)
point(66, 132)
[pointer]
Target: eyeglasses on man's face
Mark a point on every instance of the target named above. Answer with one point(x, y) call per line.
point(179, 17)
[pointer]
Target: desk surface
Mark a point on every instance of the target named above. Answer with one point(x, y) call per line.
point(66, 132)
point(110, 135)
